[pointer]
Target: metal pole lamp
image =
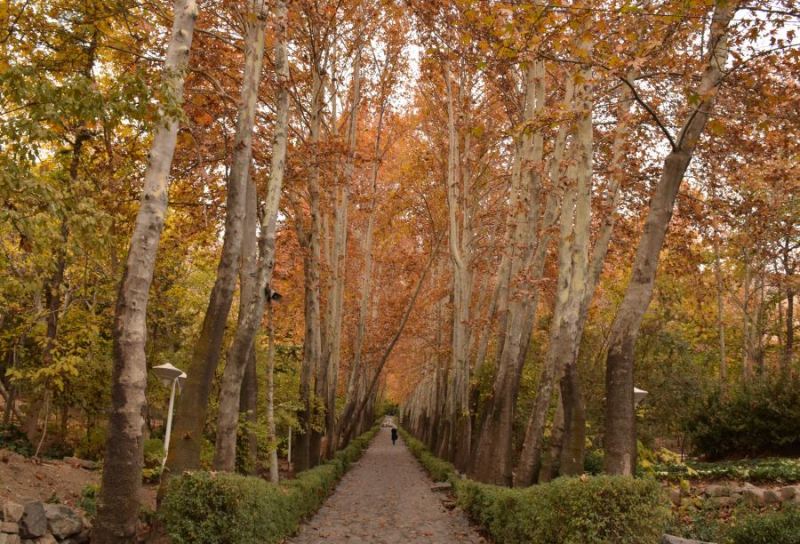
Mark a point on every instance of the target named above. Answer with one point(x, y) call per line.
point(171, 377)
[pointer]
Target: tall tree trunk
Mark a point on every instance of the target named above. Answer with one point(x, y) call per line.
point(248, 397)
point(366, 277)
point(272, 437)
point(460, 256)
point(339, 257)
point(118, 507)
point(307, 450)
point(788, 346)
point(493, 458)
point(190, 414)
point(242, 346)
point(620, 423)
point(723, 365)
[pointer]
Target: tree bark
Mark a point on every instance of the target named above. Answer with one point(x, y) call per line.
point(118, 507)
point(272, 436)
point(620, 423)
point(461, 259)
point(493, 458)
point(190, 414)
point(307, 445)
point(339, 261)
point(238, 355)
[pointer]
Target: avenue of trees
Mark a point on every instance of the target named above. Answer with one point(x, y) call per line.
point(502, 215)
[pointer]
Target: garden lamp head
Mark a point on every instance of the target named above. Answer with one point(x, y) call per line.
point(167, 373)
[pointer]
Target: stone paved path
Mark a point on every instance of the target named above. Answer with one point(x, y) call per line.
point(386, 499)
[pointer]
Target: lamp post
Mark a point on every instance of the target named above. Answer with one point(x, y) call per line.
point(174, 377)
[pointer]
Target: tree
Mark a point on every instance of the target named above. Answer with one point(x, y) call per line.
point(118, 507)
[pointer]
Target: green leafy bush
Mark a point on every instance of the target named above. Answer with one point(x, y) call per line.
point(593, 461)
point(12, 438)
point(438, 469)
point(756, 419)
point(153, 452)
point(584, 510)
point(774, 528)
point(217, 508)
point(88, 500)
point(92, 446)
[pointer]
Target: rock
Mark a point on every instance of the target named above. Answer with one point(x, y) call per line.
point(33, 523)
point(12, 512)
point(82, 538)
point(723, 501)
point(715, 490)
point(675, 496)
point(754, 495)
point(669, 539)
point(771, 496)
point(80, 463)
point(789, 492)
point(9, 528)
point(62, 520)
point(9, 539)
point(442, 486)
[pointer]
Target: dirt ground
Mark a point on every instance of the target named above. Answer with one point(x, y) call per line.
point(23, 479)
point(385, 499)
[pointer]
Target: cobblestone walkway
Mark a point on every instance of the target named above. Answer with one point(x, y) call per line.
point(386, 499)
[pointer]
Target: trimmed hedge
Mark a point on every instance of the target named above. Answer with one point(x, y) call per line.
point(223, 508)
point(584, 510)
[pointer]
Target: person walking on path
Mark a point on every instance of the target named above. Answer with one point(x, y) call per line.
point(394, 435)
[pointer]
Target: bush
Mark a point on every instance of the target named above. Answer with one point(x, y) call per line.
point(12, 438)
point(438, 469)
point(759, 418)
point(771, 470)
point(584, 510)
point(92, 446)
point(88, 500)
point(775, 528)
point(153, 452)
point(217, 508)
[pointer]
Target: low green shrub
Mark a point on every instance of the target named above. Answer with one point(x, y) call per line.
point(153, 452)
point(775, 528)
point(770, 470)
point(438, 469)
point(583, 510)
point(219, 508)
point(758, 418)
point(88, 500)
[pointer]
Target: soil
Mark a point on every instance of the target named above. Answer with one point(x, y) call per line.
point(23, 479)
